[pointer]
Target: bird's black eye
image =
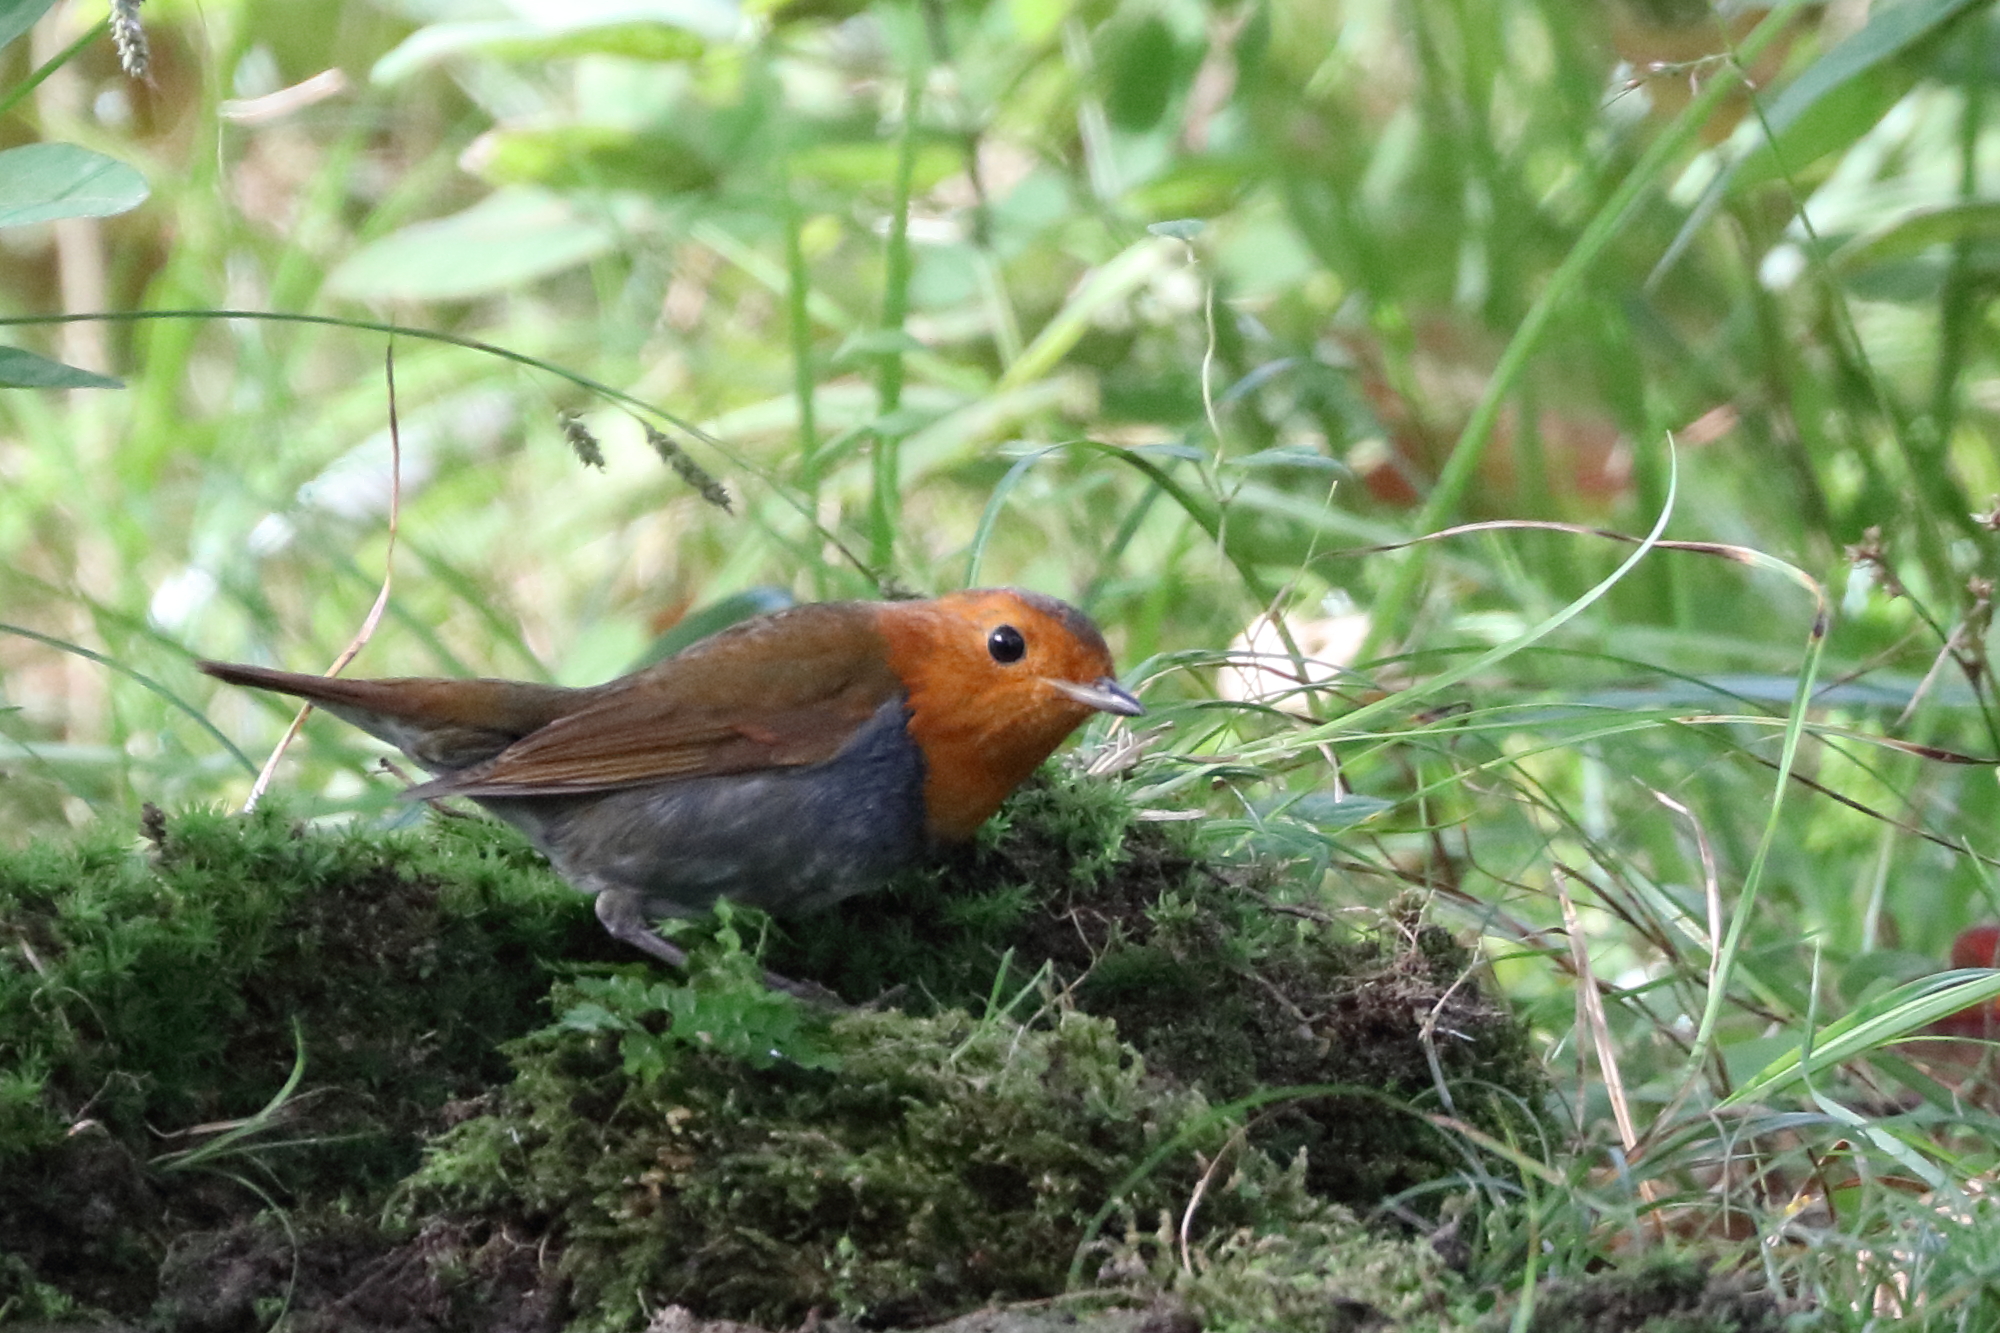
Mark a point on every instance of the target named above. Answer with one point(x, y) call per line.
point(1006, 644)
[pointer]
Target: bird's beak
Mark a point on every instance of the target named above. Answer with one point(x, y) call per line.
point(1104, 694)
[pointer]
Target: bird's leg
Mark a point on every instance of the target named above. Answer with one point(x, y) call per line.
point(806, 992)
point(619, 910)
point(622, 912)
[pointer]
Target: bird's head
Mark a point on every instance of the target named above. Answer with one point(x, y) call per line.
point(996, 678)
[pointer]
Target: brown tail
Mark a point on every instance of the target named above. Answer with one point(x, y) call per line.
point(367, 694)
point(509, 705)
point(442, 724)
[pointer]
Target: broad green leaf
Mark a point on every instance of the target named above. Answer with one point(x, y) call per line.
point(1190, 191)
point(661, 30)
point(1836, 100)
point(21, 369)
point(17, 16)
point(1915, 232)
point(1917, 281)
point(1139, 61)
point(511, 237)
point(1840, 96)
point(601, 157)
point(507, 39)
point(41, 182)
point(1824, 125)
point(851, 165)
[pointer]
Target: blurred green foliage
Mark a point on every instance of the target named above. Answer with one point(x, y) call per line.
point(1161, 305)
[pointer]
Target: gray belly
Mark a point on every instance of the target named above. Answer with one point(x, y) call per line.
point(785, 840)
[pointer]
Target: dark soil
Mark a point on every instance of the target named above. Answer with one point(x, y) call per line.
point(341, 1275)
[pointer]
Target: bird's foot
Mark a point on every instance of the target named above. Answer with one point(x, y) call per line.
point(623, 916)
point(620, 912)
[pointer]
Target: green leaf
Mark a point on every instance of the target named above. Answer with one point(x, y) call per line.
point(1826, 124)
point(725, 1009)
point(592, 1017)
point(590, 30)
point(1324, 812)
point(600, 157)
point(1140, 60)
point(864, 344)
point(1917, 231)
point(511, 237)
point(1288, 455)
point(24, 370)
point(1840, 96)
point(41, 182)
point(1189, 191)
point(849, 164)
point(1836, 100)
point(17, 16)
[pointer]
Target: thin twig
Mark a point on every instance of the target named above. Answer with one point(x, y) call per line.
point(374, 616)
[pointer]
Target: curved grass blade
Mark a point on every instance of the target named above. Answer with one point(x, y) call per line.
point(79, 650)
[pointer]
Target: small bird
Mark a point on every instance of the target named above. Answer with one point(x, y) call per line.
point(1978, 946)
point(788, 762)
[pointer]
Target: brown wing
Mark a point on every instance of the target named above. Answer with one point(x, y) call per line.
point(783, 690)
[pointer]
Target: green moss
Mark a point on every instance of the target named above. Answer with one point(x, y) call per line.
point(1223, 975)
point(24, 1296)
point(945, 1163)
point(161, 983)
point(157, 985)
point(948, 1163)
point(1311, 1268)
point(1659, 1294)
point(664, 1141)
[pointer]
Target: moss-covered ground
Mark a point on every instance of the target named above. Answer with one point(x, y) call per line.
point(255, 1073)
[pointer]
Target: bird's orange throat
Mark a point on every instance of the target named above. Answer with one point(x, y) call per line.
point(975, 756)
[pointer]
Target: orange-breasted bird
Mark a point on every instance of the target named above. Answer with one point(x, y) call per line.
point(788, 762)
point(1978, 946)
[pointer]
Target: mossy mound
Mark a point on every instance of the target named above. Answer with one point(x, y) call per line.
point(174, 981)
point(942, 1164)
point(937, 1165)
point(1307, 1266)
point(157, 994)
point(1662, 1294)
point(1224, 976)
